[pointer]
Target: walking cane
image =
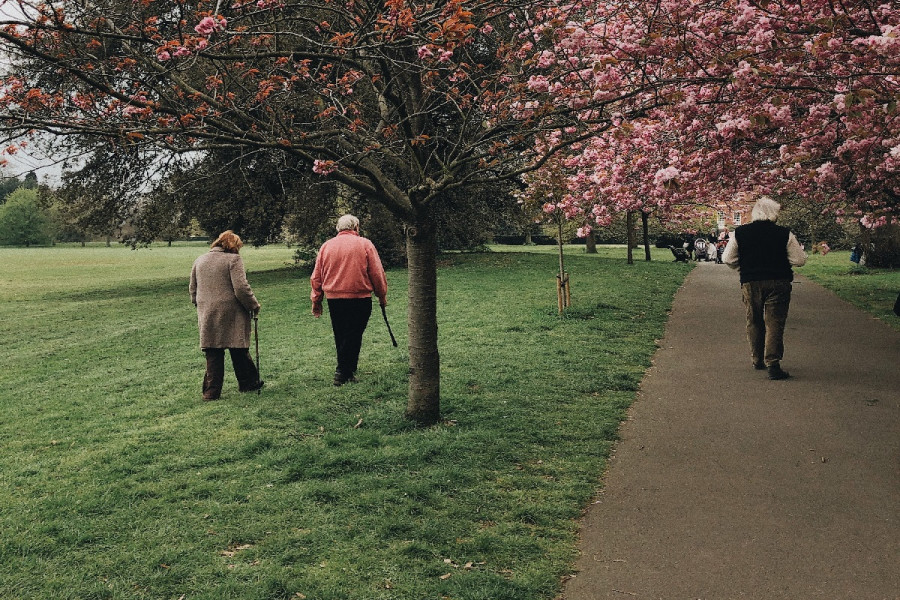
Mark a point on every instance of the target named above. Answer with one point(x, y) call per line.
point(384, 314)
point(256, 340)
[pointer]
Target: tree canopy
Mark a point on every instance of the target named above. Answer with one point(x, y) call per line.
point(22, 222)
point(797, 100)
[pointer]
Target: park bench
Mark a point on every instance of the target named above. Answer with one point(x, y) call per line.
point(680, 254)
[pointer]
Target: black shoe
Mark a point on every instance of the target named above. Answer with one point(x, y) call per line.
point(776, 372)
point(759, 366)
point(253, 388)
point(340, 380)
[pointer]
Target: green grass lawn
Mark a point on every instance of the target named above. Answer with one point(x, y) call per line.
point(873, 290)
point(116, 481)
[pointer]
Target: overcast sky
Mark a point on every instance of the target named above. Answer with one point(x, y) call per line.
point(21, 163)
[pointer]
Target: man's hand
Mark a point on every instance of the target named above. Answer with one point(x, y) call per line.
point(317, 309)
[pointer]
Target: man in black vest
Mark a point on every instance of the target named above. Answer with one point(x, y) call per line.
point(764, 253)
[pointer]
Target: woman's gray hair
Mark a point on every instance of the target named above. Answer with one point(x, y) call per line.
point(765, 209)
point(347, 222)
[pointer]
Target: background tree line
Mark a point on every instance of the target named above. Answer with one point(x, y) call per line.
point(267, 204)
point(255, 196)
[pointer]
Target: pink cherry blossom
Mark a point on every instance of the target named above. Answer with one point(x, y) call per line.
point(324, 167)
point(539, 84)
point(209, 25)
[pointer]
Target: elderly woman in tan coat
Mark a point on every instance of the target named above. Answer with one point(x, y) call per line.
point(225, 303)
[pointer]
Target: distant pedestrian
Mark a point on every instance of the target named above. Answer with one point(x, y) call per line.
point(225, 302)
point(348, 271)
point(764, 253)
point(722, 242)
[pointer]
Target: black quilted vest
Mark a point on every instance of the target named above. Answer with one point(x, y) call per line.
point(762, 251)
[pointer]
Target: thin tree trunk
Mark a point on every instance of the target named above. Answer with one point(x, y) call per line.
point(559, 245)
point(590, 243)
point(629, 225)
point(423, 404)
point(644, 221)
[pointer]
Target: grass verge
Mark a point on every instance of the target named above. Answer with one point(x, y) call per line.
point(872, 290)
point(116, 481)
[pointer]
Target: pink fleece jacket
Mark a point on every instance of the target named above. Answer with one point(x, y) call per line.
point(348, 266)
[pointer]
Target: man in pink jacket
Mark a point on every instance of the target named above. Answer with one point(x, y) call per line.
point(347, 272)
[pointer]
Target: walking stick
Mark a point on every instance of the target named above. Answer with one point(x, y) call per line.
point(384, 314)
point(256, 340)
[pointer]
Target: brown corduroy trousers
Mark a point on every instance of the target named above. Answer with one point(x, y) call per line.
point(767, 305)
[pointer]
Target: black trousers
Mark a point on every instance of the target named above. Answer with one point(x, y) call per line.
point(244, 369)
point(349, 318)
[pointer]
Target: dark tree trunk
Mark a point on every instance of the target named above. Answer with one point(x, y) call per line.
point(644, 218)
point(629, 238)
point(423, 404)
point(590, 243)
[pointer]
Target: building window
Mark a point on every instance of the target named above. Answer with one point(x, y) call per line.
point(720, 217)
point(737, 218)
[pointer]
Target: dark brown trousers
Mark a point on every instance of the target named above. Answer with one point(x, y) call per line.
point(767, 305)
point(244, 369)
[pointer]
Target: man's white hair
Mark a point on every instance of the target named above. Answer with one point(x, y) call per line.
point(347, 222)
point(765, 209)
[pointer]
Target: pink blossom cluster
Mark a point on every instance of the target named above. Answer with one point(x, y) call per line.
point(175, 50)
point(209, 25)
point(324, 167)
point(443, 55)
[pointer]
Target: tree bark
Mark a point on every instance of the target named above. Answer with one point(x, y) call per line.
point(590, 243)
point(423, 404)
point(644, 221)
point(629, 226)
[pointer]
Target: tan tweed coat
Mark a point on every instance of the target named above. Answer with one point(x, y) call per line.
point(222, 295)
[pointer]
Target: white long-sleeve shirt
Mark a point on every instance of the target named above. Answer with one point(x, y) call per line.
point(796, 255)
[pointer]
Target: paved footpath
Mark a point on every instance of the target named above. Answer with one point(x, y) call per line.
point(727, 485)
